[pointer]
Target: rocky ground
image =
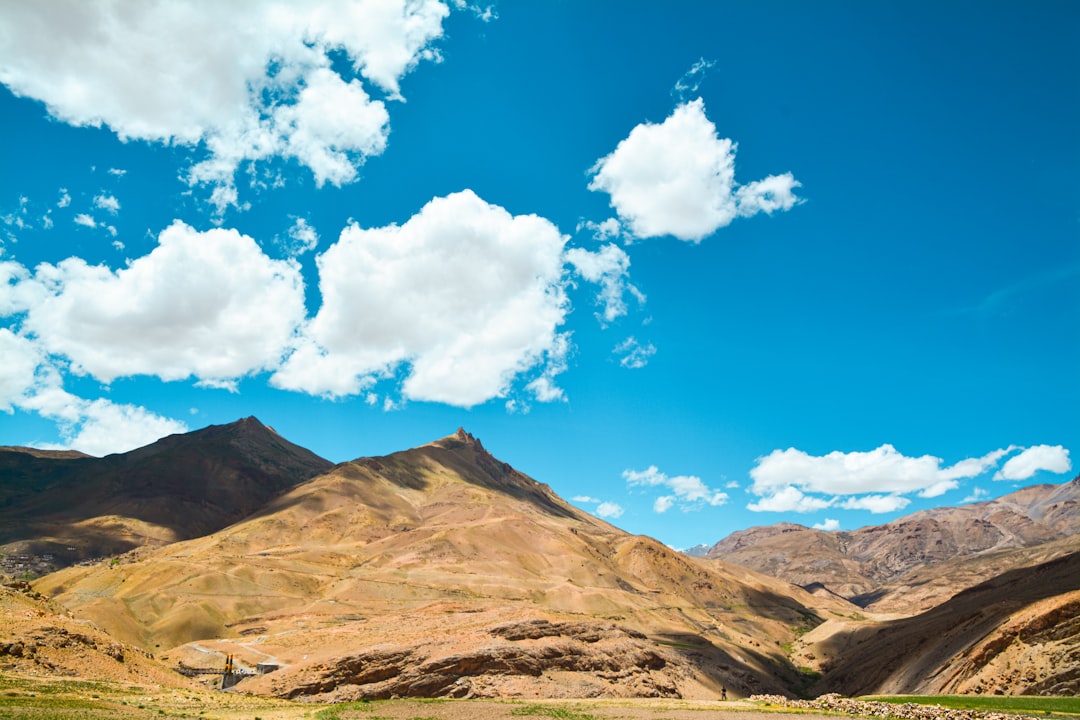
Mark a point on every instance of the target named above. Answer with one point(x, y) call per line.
point(875, 709)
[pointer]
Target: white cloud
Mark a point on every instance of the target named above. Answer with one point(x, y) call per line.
point(977, 494)
point(878, 480)
point(609, 229)
point(65, 199)
point(85, 220)
point(634, 354)
point(688, 491)
point(609, 267)
point(21, 358)
point(585, 499)
point(678, 178)
point(96, 427)
point(1051, 458)
point(303, 236)
point(876, 503)
point(609, 510)
point(788, 499)
point(468, 296)
point(208, 304)
point(109, 203)
point(689, 83)
point(246, 81)
point(828, 525)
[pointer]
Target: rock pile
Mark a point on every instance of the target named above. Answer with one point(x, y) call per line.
point(877, 709)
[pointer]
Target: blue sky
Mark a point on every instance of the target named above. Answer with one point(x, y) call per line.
point(697, 266)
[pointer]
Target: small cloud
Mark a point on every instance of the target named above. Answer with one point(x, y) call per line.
point(609, 267)
point(609, 229)
point(828, 525)
point(65, 199)
point(609, 510)
point(108, 203)
point(977, 495)
point(303, 237)
point(634, 355)
point(585, 499)
point(689, 83)
point(117, 172)
point(687, 491)
point(85, 220)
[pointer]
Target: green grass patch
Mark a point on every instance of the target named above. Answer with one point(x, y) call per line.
point(346, 711)
point(1064, 707)
point(561, 712)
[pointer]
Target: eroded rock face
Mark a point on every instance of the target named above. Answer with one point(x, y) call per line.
point(596, 659)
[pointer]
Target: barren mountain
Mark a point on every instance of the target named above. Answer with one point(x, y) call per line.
point(442, 571)
point(39, 637)
point(71, 506)
point(1018, 633)
point(925, 549)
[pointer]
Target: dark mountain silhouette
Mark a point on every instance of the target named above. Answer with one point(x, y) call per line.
point(179, 487)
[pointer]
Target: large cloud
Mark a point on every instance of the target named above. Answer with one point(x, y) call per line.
point(208, 304)
point(678, 178)
point(249, 80)
point(878, 480)
point(465, 294)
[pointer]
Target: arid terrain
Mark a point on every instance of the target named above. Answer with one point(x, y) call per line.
point(441, 571)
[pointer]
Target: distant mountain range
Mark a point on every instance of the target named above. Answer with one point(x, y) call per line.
point(442, 571)
point(917, 561)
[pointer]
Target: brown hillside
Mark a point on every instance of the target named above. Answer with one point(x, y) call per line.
point(442, 571)
point(181, 486)
point(1017, 634)
point(38, 637)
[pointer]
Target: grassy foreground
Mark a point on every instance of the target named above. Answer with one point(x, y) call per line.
point(59, 699)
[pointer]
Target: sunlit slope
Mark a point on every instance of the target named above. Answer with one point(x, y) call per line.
point(446, 525)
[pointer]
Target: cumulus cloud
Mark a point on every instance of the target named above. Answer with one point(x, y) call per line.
point(463, 293)
point(245, 81)
point(828, 525)
point(96, 427)
point(107, 202)
point(609, 510)
point(85, 220)
point(208, 304)
point(1051, 458)
point(678, 178)
point(20, 361)
point(608, 267)
point(789, 499)
point(879, 480)
point(687, 491)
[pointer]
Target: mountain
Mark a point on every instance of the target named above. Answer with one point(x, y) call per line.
point(70, 506)
point(40, 638)
point(442, 571)
point(1018, 633)
point(918, 560)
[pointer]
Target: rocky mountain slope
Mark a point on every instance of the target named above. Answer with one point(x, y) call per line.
point(71, 506)
point(38, 637)
point(1018, 633)
point(442, 571)
point(940, 551)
